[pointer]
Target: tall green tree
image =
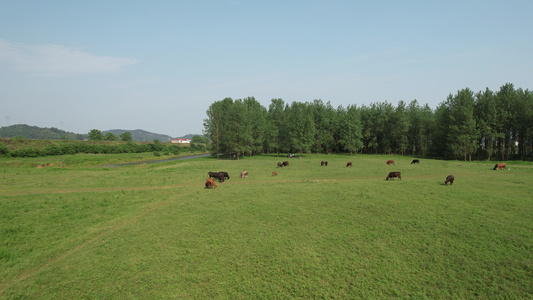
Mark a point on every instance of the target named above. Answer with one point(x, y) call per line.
point(257, 116)
point(463, 133)
point(302, 128)
point(350, 132)
point(126, 137)
point(110, 137)
point(95, 135)
point(214, 123)
point(486, 116)
point(399, 127)
point(324, 119)
point(278, 137)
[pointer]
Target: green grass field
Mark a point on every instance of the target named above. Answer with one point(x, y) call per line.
point(154, 231)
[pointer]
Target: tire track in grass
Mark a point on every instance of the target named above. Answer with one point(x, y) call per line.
point(128, 221)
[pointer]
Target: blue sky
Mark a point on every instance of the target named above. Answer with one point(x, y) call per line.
point(159, 65)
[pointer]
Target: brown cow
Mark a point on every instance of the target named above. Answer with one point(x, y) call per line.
point(244, 174)
point(449, 179)
point(274, 173)
point(390, 162)
point(349, 164)
point(280, 164)
point(500, 166)
point(210, 184)
point(394, 175)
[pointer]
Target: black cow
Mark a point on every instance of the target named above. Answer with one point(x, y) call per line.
point(394, 175)
point(324, 163)
point(221, 176)
point(226, 175)
point(286, 163)
point(213, 174)
point(449, 179)
point(415, 161)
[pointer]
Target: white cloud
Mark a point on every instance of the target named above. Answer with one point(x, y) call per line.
point(56, 60)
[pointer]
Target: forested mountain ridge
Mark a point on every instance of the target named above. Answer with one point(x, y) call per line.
point(467, 125)
point(39, 133)
point(139, 135)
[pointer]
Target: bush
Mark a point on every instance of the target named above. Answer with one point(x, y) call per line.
point(27, 152)
point(4, 150)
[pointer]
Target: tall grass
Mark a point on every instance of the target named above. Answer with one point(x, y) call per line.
point(154, 231)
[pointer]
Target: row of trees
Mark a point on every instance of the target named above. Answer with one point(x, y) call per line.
point(97, 135)
point(82, 147)
point(480, 125)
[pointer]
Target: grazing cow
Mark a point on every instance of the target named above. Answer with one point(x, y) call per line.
point(500, 166)
point(280, 165)
point(349, 164)
point(221, 176)
point(244, 174)
point(226, 175)
point(210, 183)
point(274, 173)
point(449, 179)
point(286, 163)
point(324, 163)
point(390, 162)
point(213, 174)
point(394, 175)
point(415, 161)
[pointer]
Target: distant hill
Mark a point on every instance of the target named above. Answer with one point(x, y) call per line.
point(38, 133)
point(139, 135)
point(189, 136)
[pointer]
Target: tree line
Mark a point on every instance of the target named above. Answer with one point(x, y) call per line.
point(467, 125)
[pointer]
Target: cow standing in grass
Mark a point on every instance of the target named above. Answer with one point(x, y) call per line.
point(349, 164)
point(394, 175)
point(390, 162)
point(244, 174)
point(415, 161)
point(500, 166)
point(449, 179)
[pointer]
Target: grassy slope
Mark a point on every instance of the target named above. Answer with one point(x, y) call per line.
point(312, 231)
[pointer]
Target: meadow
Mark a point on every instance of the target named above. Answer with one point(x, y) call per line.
point(153, 231)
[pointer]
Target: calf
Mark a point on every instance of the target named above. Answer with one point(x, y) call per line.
point(394, 175)
point(415, 161)
point(244, 174)
point(349, 164)
point(449, 179)
point(500, 166)
point(389, 162)
point(280, 165)
point(274, 173)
